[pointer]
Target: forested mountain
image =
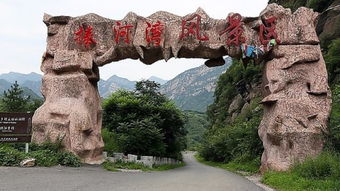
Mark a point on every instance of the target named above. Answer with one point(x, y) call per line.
point(31, 82)
point(194, 88)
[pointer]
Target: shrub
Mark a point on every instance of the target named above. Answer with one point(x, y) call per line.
point(141, 138)
point(318, 5)
point(10, 156)
point(326, 165)
point(51, 158)
point(68, 159)
point(138, 166)
point(110, 140)
point(320, 173)
point(45, 157)
point(237, 141)
point(55, 147)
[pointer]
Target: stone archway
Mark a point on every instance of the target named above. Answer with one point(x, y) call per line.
point(296, 100)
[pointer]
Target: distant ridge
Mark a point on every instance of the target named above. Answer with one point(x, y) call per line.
point(194, 89)
point(158, 80)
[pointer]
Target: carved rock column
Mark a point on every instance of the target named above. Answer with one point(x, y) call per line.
point(71, 112)
point(297, 98)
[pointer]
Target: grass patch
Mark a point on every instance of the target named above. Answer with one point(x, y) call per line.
point(167, 166)
point(137, 166)
point(321, 173)
point(243, 168)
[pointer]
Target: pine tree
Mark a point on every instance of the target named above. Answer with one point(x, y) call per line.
point(14, 100)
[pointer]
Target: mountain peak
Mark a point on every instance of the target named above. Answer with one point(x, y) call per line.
point(157, 80)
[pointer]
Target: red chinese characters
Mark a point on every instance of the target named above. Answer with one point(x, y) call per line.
point(84, 36)
point(192, 27)
point(122, 31)
point(267, 31)
point(234, 30)
point(153, 33)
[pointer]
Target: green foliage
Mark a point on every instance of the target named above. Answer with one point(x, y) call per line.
point(227, 89)
point(145, 121)
point(321, 173)
point(196, 124)
point(125, 165)
point(68, 159)
point(10, 156)
point(319, 5)
point(138, 166)
point(110, 140)
point(141, 138)
point(13, 99)
point(34, 104)
point(47, 154)
point(332, 58)
point(245, 167)
point(333, 138)
point(237, 141)
point(164, 167)
point(292, 4)
point(45, 157)
point(110, 166)
point(55, 147)
point(148, 92)
point(326, 165)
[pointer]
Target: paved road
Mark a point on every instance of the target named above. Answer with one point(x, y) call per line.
point(193, 177)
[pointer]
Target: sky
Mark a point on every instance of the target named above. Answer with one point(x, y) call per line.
point(23, 34)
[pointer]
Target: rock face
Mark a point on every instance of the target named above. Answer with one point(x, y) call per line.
point(28, 162)
point(194, 89)
point(297, 99)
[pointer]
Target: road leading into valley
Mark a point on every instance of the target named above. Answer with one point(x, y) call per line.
point(193, 177)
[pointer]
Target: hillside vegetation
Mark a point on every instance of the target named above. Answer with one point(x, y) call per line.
point(196, 124)
point(234, 117)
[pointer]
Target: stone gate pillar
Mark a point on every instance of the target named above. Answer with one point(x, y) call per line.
point(72, 110)
point(297, 99)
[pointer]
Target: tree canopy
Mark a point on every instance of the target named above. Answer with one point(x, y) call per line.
point(14, 100)
point(145, 121)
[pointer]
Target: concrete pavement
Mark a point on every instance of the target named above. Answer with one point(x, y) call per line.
point(193, 177)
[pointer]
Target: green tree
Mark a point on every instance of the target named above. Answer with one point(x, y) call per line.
point(141, 137)
point(148, 92)
point(126, 113)
point(332, 58)
point(13, 99)
point(196, 124)
point(34, 104)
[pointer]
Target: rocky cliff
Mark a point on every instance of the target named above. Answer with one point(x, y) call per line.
point(194, 88)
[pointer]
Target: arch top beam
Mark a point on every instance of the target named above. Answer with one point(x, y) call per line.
point(163, 35)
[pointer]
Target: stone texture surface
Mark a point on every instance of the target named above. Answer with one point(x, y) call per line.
point(30, 162)
point(297, 97)
point(297, 103)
